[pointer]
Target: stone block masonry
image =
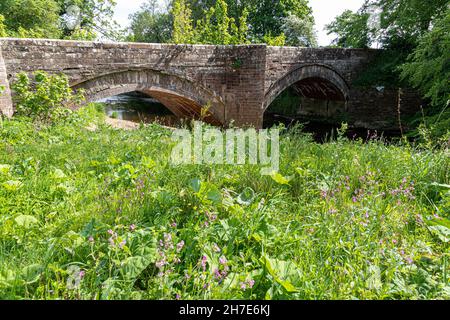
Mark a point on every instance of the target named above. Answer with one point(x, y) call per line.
point(235, 83)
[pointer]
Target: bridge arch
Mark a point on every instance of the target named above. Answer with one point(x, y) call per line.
point(181, 96)
point(313, 81)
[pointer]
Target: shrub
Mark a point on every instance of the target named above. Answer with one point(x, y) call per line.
point(46, 97)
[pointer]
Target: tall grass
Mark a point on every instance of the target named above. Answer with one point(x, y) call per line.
point(91, 212)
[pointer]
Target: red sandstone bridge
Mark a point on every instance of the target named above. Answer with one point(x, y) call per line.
point(236, 83)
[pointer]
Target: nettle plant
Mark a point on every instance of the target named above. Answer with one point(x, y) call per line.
point(45, 97)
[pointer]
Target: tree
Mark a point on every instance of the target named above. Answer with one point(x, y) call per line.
point(151, 24)
point(68, 19)
point(91, 16)
point(268, 16)
point(299, 31)
point(428, 67)
point(183, 31)
point(3, 32)
point(217, 27)
point(352, 30)
point(31, 18)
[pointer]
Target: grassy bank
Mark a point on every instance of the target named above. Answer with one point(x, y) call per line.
point(92, 212)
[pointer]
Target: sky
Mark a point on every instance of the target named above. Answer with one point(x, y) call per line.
point(324, 12)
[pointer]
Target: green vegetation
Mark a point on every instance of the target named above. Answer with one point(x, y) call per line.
point(64, 19)
point(281, 22)
point(87, 211)
point(415, 37)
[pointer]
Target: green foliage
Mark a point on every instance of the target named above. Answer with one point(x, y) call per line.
point(100, 214)
point(31, 18)
point(45, 97)
point(277, 41)
point(65, 19)
point(218, 28)
point(183, 31)
point(151, 24)
point(299, 31)
point(268, 16)
point(351, 29)
point(3, 32)
point(428, 67)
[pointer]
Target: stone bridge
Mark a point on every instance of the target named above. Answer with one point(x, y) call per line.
point(234, 83)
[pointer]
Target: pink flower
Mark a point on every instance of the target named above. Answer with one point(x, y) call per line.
point(203, 262)
point(251, 283)
point(132, 227)
point(180, 245)
point(81, 274)
point(223, 260)
point(91, 239)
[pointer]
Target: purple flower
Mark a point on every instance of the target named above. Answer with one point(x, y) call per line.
point(203, 262)
point(177, 296)
point(223, 261)
point(173, 224)
point(180, 245)
point(394, 241)
point(160, 264)
point(110, 232)
point(251, 283)
point(354, 199)
point(122, 244)
point(243, 286)
point(91, 239)
point(132, 227)
point(81, 274)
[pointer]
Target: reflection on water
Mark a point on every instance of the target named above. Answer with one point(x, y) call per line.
point(138, 108)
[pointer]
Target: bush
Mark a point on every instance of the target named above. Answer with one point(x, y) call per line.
point(46, 97)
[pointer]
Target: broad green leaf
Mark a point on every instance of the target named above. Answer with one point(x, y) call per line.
point(26, 221)
point(132, 267)
point(443, 233)
point(278, 178)
point(196, 184)
point(246, 197)
point(279, 269)
point(214, 195)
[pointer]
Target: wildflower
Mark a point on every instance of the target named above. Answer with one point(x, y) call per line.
point(409, 260)
point(394, 241)
point(160, 264)
point(180, 245)
point(132, 227)
point(81, 274)
point(177, 296)
point(243, 286)
point(122, 244)
point(173, 224)
point(110, 232)
point(251, 283)
point(223, 261)
point(354, 199)
point(332, 211)
point(91, 239)
point(203, 262)
point(216, 248)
